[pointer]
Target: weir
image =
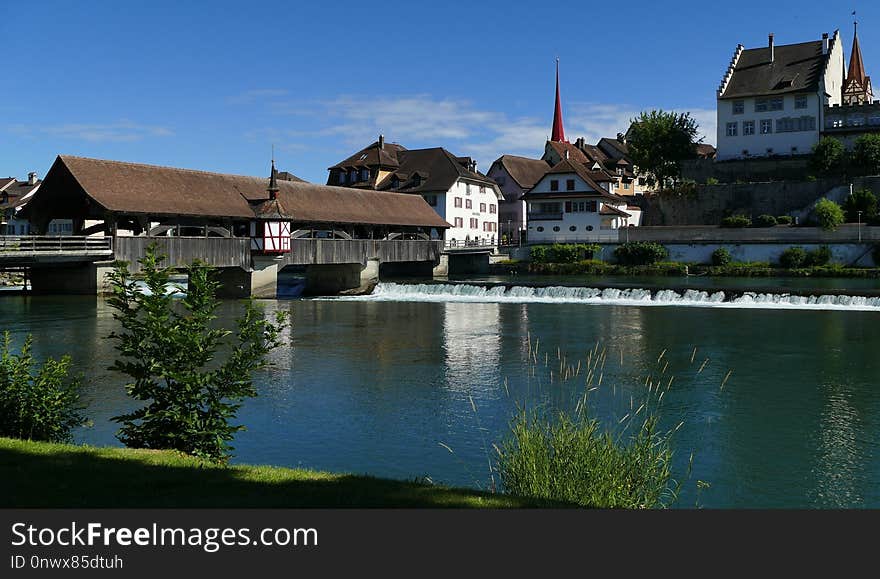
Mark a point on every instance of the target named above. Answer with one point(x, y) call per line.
point(504, 293)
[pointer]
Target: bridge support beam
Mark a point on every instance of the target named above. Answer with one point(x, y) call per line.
point(78, 279)
point(329, 279)
point(261, 282)
point(468, 263)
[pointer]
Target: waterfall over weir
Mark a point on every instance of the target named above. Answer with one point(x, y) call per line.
point(444, 292)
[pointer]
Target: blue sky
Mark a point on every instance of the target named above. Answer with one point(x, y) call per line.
point(213, 85)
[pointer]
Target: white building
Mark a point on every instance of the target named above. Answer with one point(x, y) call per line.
point(771, 99)
point(468, 200)
point(567, 205)
point(515, 175)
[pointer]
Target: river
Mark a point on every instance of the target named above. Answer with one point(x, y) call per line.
point(421, 380)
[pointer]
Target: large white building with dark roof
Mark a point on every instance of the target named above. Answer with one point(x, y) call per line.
point(771, 100)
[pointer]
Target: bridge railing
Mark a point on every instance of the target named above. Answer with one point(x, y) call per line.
point(15, 245)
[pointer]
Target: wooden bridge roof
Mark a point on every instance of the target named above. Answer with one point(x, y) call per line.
point(133, 188)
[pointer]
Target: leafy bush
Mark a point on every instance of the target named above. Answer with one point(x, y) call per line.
point(168, 349)
point(829, 157)
point(818, 257)
point(828, 214)
point(784, 220)
point(862, 200)
point(37, 403)
point(640, 253)
point(563, 252)
point(866, 154)
point(793, 257)
point(721, 257)
point(576, 461)
point(765, 221)
point(736, 221)
point(538, 254)
point(712, 181)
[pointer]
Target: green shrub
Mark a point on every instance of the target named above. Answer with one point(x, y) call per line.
point(721, 257)
point(538, 254)
point(736, 221)
point(829, 157)
point(640, 253)
point(37, 403)
point(168, 349)
point(818, 257)
point(576, 461)
point(861, 200)
point(765, 221)
point(828, 214)
point(712, 181)
point(784, 220)
point(793, 257)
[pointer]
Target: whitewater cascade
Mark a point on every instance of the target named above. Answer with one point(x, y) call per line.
point(442, 292)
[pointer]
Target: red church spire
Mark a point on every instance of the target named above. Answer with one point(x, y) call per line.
point(558, 132)
point(856, 65)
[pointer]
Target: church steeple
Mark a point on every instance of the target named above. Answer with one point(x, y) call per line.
point(558, 133)
point(272, 189)
point(857, 86)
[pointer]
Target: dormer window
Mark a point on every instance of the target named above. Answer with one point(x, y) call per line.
point(342, 177)
point(365, 174)
point(417, 180)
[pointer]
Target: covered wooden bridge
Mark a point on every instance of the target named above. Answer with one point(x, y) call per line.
point(250, 227)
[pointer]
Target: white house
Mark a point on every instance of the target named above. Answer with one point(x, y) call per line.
point(514, 176)
point(568, 205)
point(468, 200)
point(771, 100)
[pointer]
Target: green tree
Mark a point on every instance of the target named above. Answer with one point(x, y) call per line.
point(659, 141)
point(866, 154)
point(862, 200)
point(37, 403)
point(828, 214)
point(168, 348)
point(829, 157)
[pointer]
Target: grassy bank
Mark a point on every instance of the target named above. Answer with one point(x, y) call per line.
point(751, 269)
point(36, 474)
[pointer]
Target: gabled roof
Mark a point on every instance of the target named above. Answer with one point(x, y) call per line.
point(373, 156)
point(566, 166)
point(134, 188)
point(437, 168)
point(795, 68)
point(6, 182)
point(612, 210)
point(574, 153)
point(614, 148)
point(525, 171)
point(287, 176)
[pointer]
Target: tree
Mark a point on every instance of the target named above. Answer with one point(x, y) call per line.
point(866, 154)
point(829, 157)
point(828, 214)
point(658, 141)
point(37, 403)
point(168, 348)
point(862, 200)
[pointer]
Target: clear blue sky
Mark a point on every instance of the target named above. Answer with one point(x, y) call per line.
point(213, 86)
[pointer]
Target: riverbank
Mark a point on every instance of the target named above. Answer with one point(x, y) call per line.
point(44, 475)
point(750, 269)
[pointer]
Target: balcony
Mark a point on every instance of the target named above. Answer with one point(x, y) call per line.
point(545, 216)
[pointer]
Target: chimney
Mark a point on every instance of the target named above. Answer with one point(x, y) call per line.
point(381, 141)
point(32, 178)
point(621, 138)
point(825, 43)
point(772, 49)
point(579, 142)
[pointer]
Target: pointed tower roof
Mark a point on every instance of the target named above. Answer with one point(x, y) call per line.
point(856, 65)
point(558, 131)
point(273, 182)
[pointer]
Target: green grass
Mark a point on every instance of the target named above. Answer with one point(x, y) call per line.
point(47, 475)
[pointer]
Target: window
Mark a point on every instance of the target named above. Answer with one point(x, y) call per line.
point(589, 228)
point(626, 185)
point(572, 228)
point(766, 126)
point(489, 227)
point(475, 223)
point(768, 104)
point(468, 204)
point(432, 200)
point(731, 129)
point(791, 125)
point(482, 207)
point(365, 174)
point(800, 101)
point(457, 202)
point(776, 104)
point(556, 228)
point(459, 222)
point(482, 190)
point(748, 127)
point(554, 185)
point(467, 189)
point(760, 105)
point(352, 176)
point(493, 208)
point(540, 229)
point(580, 206)
point(417, 180)
point(569, 185)
point(739, 107)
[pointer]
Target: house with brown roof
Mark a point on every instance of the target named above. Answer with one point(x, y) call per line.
point(772, 99)
point(120, 198)
point(14, 195)
point(515, 176)
point(459, 194)
point(569, 205)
